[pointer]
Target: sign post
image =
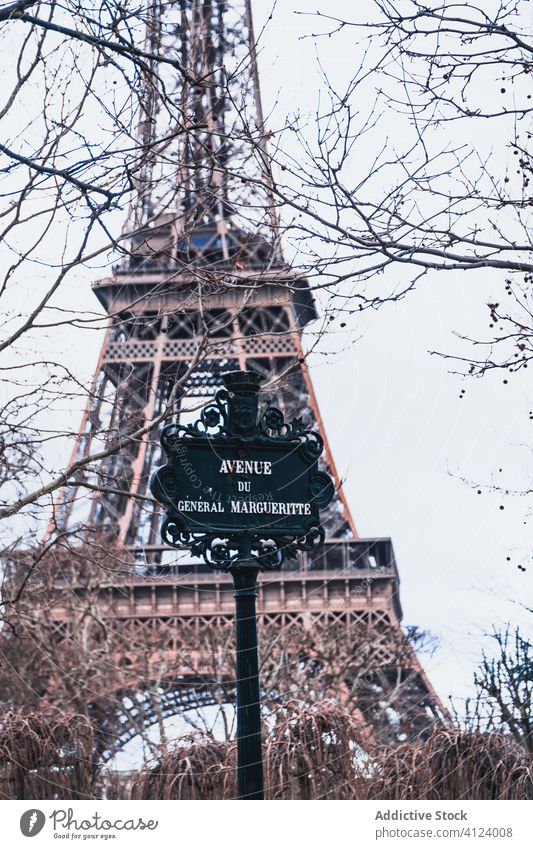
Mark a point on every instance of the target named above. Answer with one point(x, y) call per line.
point(249, 754)
point(243, 491)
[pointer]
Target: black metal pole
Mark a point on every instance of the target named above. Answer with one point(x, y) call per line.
point(243, 389)
point(249, 753)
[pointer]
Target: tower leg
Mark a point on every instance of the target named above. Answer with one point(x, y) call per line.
point(249, 752)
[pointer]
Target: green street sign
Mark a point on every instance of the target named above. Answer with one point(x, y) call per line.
point(233, 478)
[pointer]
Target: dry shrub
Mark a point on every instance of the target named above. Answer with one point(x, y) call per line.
point(194, 769)
point(317, 752)
point(311, 752)
point(46, 755)
point(453, 764)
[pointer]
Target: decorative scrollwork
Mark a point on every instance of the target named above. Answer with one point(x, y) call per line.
point(313, 539)
point(273, 427)
point(273, 419)
point(164, 485)
point(322, 489)
point(222, 552)
point(213, 422)
point(173, 533)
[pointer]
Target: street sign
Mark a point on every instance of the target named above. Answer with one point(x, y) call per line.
point(227, 486)
point(259, 479)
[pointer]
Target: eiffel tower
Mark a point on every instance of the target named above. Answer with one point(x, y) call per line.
point(203, 288)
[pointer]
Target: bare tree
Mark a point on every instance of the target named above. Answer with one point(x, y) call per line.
point(72, 153)
point(98, 111)
point(421, 163)
point(106, 136)
point(504, 684)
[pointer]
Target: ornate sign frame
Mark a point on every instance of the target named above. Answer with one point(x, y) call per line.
point(231, 420)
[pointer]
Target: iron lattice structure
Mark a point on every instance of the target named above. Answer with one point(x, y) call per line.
point(203, 288)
